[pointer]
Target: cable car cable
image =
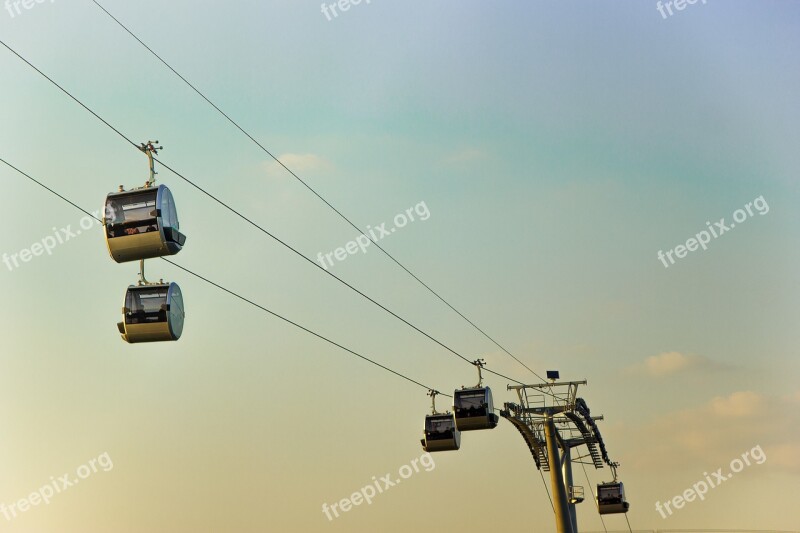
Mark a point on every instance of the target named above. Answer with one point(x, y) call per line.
point(547, 489)
point(307, 186)
point(249, 221)
point(235, 294)
point(298, 325)
point(629, 523)
point(594, 498)
point(48, 78)
point(328, 272)
point(40, 184)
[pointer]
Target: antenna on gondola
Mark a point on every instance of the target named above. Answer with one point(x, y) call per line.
point(150, 149)
point(479, 364)
point(613, 467)
point(432, 393)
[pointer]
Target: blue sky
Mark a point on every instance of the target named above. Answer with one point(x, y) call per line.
point(558, 147)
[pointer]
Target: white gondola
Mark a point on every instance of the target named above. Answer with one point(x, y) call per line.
point(611, 498)
point(152, 313)
point(441, 433)
point(473, 406)
point(474, 409)
point(142, 224)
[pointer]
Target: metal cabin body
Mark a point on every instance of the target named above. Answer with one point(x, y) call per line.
point(152, 313)
point(474, 409)
point(611, 498)
point(441, 433)
point(142, 224)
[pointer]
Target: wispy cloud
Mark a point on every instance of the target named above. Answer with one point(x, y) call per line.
point(738, 405)
point(671, 363)
point(719, 428)
point(300, 164)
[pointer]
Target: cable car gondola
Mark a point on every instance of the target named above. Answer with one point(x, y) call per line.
point(441, 433)
point(152, 312)
point(474, 409)
point(142, 224)
point(611, 498)
point(473, 406)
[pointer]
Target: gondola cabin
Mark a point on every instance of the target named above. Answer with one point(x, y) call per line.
point(152, 313)
point(611, 498)
point(441, 433)
point(474, 409)
point(141, 224)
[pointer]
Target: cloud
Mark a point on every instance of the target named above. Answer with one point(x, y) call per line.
point(737, 405)
point(720, 429)
point(666, 363)
point(300, 164)
point(785, 456)
point(669, 363)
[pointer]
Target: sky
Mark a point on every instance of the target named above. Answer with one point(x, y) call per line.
point(550, 151)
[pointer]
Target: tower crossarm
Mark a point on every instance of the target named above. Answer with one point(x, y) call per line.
point(583, 410)
point(525, 426)
point(588, 438)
